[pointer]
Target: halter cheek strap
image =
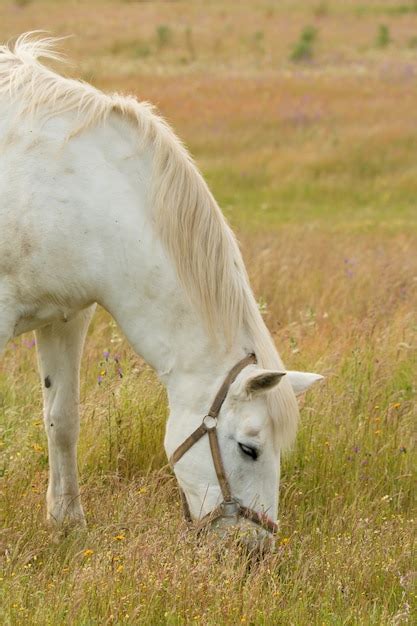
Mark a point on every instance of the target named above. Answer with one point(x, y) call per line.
point(230, 508)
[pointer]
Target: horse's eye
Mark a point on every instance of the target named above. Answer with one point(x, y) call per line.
point(249, 451)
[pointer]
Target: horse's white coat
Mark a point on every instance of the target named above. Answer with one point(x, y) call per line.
point(79, 225)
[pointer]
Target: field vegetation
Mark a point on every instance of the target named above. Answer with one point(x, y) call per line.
point(313, 157)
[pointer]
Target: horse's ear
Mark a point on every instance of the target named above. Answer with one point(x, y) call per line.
point(261, 381)
point(301, 381)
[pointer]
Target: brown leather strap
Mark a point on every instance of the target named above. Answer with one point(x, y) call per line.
point(218, 464)
point(190, 441)
point(209, 518)
point(185, 507)
point(214, 411)
point(259, 518)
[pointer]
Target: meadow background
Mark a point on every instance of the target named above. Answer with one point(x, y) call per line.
point(303, 119)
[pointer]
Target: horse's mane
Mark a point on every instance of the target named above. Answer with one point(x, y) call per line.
point(186, 216)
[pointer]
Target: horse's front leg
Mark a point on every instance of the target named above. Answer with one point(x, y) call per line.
point(60, 347)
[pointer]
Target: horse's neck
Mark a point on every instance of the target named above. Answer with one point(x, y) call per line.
point(143, 293)
point(165, 329)
point(192, 384)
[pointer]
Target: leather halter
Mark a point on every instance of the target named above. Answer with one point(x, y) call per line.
point(230, 509)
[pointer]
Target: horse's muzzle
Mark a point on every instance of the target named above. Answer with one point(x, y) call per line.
point(231, 520)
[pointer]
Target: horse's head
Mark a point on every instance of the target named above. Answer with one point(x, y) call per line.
point(228, 468)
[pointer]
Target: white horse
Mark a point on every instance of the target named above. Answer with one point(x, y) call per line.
point(101, 203)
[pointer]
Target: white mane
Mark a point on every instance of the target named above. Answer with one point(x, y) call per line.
point(186, 216)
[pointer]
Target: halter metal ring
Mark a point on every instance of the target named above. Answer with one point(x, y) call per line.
point(230, 509)
point(210, 422)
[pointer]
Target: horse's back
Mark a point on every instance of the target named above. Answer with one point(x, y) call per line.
point(61, 210)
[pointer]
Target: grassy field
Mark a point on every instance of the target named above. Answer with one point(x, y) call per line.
point(303, 118)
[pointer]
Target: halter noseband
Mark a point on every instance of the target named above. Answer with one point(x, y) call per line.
point(230, 509)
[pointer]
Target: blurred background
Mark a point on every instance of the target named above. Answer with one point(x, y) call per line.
point(294, 110)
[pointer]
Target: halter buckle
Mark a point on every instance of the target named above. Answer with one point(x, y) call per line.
point(230, 511)
point(210, 422)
